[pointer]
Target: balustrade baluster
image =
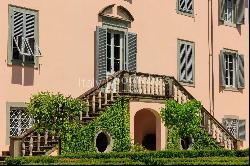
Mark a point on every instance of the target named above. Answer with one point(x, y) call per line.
point(143, 84)
point(155, 82)
point(93, 103)
point(129, 85)
point(100, 100)
point(165, 87)
point(23, 148)
point(159, 86)
point(105, 98)
point(46, 135)
point(87, 108)
point(139, 85)
point(117, 85)
point(38, 141)
point(147, 85)
point(111, 92)
point(31, 145)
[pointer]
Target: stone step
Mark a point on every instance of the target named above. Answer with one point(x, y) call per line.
point(5, 153)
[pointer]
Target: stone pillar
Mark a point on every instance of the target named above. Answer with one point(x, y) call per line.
point(15, 147)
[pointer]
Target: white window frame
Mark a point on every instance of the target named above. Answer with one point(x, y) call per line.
point(122, 53)
point(231, 10)
point(185, 10)
point(192, 44)
point(227, 54)
point(24, 44)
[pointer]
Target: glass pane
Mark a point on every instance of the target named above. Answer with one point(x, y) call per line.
point(109, 51)
point(117, 39)
point(31, 42)
point(117, 53)
point(109, 38)
point(109, 65)
point(116, 65)
point(231, 77)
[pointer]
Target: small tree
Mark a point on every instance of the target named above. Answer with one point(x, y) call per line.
point(186, 117)
point(55, 112)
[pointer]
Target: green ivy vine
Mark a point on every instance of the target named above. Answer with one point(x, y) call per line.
point(183, 120)
point(115, 120)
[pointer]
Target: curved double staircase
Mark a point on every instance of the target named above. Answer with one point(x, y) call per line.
point(123, 83)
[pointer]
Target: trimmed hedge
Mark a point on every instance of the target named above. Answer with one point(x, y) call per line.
point(163, 154)
point(192, 157)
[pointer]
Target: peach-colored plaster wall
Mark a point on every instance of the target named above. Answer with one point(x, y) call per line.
point(66, 39)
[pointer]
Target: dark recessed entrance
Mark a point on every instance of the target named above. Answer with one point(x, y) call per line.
point(102, 142)
point(186, 142)
point(149, 141)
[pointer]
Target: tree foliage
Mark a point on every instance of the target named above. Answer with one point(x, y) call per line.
point(54, 112)
point(183, 120)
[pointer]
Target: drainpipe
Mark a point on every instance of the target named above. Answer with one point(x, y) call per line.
point(210, 47)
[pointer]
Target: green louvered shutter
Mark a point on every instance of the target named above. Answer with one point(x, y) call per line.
point(30, 20)
point(132, 51)
point(240, 11)
point(222, 8)
point(222, 69)
point(240, 71)
point(17, 33)
point(242, 130)
point(101, 53)
point(182, 62)
point(189, 62)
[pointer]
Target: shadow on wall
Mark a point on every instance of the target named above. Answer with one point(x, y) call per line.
point(129, 1)
point(22, 75)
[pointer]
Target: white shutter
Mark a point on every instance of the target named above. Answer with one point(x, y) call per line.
point(132, 51)
point(101, 53)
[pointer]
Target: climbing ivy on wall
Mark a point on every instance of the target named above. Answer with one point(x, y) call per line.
point(183, 120)
point(114, 120)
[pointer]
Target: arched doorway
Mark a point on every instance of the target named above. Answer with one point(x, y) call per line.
point(147, 129)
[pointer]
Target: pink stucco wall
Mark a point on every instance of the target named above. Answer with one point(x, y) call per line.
point(66, 39)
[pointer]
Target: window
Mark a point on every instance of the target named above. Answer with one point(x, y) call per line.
point(185, 6)
point(232, 69)
point(236, 126)
point(19, 121)
point(232, 11)
point(23, 46)
point(186, 61)
point(116, 50)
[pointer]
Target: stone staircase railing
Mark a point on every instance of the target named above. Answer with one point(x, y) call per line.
point(124, 83)
point(151, 86)
point(31, 143)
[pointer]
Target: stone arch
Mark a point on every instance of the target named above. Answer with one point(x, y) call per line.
point(117, 12)
point(147, 129)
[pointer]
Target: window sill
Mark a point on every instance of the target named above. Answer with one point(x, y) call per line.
point(184, 13)
point(21, 63)
point(229, 24)
point(233, 89)
point(187, 84)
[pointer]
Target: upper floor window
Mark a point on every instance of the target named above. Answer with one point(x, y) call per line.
point(232, 69)
point(186, 61)
point(116, 47)
point(23, 45)
point(232, 11)
point(185, 6)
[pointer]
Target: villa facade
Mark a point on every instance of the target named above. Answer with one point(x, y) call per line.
point(70, 46)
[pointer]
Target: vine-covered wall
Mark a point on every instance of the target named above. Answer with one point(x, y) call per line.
point(114, 120)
